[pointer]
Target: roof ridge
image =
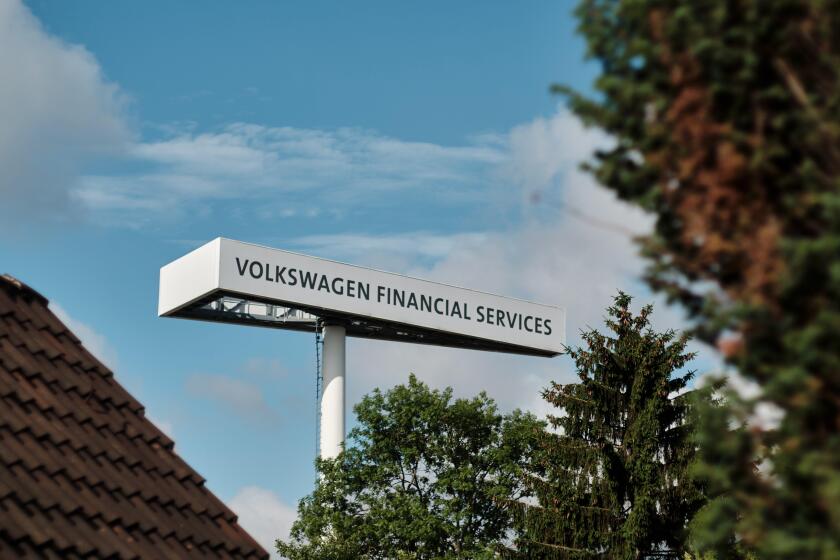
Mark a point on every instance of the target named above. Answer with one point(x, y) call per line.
point(13, 285)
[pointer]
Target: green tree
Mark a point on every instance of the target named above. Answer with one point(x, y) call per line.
point(425, 476)
point(612, 478)
point(726, 120)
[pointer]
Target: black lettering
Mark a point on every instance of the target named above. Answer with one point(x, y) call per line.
point(259, 272)
point(527, 328)
point(340, 290)
point(500, 317)
point(412, 300)
point(278, 274)
point(425, 303)
point(324, 285)
point(511, 319)
point(399, 297)
point(538, 325)
point(293, 279)
point(479, 312)
point(437, 301)
point(242, 267)
point(467, 312)
point(307, 279)
point(364, 290)
point(490, 314)
point(548, 327)
point(456, 310)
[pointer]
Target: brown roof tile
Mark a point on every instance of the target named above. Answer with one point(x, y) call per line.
point(83, 473)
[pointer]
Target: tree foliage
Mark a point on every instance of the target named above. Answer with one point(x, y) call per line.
point(612, 478)
point(726, 115)
point(426, 476)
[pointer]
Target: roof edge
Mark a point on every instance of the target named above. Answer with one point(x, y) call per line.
point(15, 286)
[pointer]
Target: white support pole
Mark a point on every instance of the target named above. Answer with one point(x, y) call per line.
point(332, 392)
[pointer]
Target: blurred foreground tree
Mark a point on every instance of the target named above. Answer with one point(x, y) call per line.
point(726, 120)
point(425, 477)
point(612, 480)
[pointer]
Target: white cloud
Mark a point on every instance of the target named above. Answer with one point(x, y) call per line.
point(555, 257)
point(265, 368)
point(547, 148)
point(57, 113)
point(95, 342)
point(330, 168)
point(240, 397)
point(765, 415)
point(264, 515)
point(402, 250)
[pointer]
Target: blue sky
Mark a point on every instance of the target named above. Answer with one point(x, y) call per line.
point(418, 138)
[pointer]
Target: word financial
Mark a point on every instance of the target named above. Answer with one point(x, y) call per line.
point(338, 285)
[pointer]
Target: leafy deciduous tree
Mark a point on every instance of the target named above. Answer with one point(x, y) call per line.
point(426, 476)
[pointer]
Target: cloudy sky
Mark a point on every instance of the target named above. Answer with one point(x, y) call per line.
point(417, 138)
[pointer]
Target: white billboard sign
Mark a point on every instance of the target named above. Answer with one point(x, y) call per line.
point(372, 303)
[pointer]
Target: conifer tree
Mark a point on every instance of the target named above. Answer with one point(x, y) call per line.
point(612, 477)
point(726, 120)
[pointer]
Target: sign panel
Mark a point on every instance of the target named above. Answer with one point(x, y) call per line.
point(342, 291)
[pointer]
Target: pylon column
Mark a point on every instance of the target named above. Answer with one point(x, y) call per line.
point(332, 392)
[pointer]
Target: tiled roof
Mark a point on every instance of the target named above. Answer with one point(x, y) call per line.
point(83, 473)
